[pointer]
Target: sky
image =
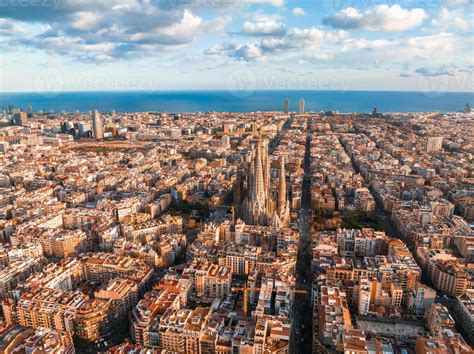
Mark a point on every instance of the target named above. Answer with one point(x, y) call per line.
point(94, 45)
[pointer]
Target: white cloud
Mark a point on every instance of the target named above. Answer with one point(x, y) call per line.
point(247, 52)
point(457, 3)
point(320, 56)
point(85, 20)
point(241, 52)
point(268, 28)
point(187, 27)
point(215, 49)
point(379, 18)
point(123, 29)
point(315, 57)
point(219, 25)
point(9, 27)
point(261, 16)
point(295, 40)
point(353, 44)
point(441, 71)
point(276, 3)
point(427, 47)
point(298, 11)
point(451, 20)
point(441, 47)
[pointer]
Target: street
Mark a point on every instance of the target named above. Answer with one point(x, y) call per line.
point(302, 314)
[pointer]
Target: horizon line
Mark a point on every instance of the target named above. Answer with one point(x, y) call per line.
point(217, 90)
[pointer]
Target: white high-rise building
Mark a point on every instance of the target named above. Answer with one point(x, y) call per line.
point(97, 128)
point(365, 287)
point(302, 106)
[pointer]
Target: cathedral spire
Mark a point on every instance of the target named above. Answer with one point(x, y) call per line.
point(259, 206)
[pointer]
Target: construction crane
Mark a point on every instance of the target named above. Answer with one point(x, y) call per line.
point(246, 289)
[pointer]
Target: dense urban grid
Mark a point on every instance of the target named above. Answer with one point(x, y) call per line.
point(265, 232)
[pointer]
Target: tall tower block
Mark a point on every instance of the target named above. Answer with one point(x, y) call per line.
point(302, 106)
point(97, 128)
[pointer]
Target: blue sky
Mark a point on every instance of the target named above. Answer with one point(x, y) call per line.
point(76, 45)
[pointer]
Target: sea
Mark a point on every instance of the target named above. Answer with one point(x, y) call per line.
point(232, 101)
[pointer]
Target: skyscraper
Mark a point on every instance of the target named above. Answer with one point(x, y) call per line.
point(286, 106)
point(301, 106)
point(97, 128)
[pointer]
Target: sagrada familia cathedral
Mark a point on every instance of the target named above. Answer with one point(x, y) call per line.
point(256, 201)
